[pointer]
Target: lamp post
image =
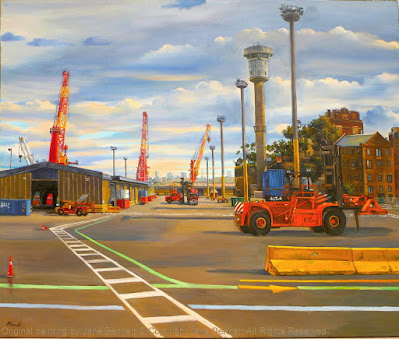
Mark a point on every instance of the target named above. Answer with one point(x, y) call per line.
point(222, 119)
point(292, 14)
point(213, 172)
point(207, 178)
point(241, 84)
point(113, 149)
point(10, 149)
point(125, 158)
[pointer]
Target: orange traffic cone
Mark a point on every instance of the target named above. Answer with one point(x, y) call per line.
point(10, 272)
point(42, 228)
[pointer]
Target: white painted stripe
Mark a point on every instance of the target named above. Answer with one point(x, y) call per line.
point(297, 308)
point(122, 280)
point(82, 249)
point(106, 269)
point(170, 319)
point(86, 254)
point(65, 307)
point(76, 246)
point(94, 261)
point(147, 294)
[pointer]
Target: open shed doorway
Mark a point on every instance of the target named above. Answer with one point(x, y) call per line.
point(42, 191)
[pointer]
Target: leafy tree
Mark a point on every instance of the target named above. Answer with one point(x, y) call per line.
point(251, 155)
point(321, 132)
point(349, 189)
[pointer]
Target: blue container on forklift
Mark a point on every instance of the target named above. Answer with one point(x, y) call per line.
point(273, 181)
point(15, 207)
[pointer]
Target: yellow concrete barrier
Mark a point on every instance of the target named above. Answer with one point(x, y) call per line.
point(290, 260)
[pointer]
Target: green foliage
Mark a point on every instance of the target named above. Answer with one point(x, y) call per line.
point(251, 155)
point(349, 189)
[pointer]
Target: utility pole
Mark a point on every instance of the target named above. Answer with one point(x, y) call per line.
point(213, 172)
point(222, 119)
point(10, 149)
point(207, 177)
point(113, 149)
point(241, 84)
point(125, 158)
point(292, 14)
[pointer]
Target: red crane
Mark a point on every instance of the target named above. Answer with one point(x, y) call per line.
point(196, 159)
point(58, 148)
point(142, 168)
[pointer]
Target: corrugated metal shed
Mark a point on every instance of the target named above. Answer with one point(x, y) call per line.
point(354, 140)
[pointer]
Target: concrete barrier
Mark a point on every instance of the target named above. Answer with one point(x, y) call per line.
point(290, 260)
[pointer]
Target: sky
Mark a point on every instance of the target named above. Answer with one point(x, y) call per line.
point(178, 60)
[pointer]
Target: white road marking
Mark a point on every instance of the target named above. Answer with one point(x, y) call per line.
point(122, 280)
point(154, 292)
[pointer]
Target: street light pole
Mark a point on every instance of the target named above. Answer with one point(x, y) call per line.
point(241, 84)
point(222, 119)
point(213, 172)
point(113, 149)
point(125, 158)
point(207, 178)
point(292, 14)
point(10, 149)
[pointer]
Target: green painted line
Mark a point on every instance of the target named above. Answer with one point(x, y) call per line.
point(359, 288)
point(196, 286)
point(53, 287)
point(176, 283)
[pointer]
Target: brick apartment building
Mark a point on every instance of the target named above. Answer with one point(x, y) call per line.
point(345, 121)
point(393, 137)
point(364, 162)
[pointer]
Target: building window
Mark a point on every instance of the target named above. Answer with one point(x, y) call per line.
point(388, 151)
point(370, 189)
point(348, 164)
point(349, 178)
point(388, 163)
point(380, 177)
point(353, 151)
point(353, 164)
point(347, 151)
point(389, 188)
point(381, 189)
point(389, 178)
point(355, 177)
point(342, 151)
point(369, 164)
point(359, 150)
point(368, 152)
point(355, 189)
point(379, 163)
point(378, 152)
point(368, 177)
point(360, 163)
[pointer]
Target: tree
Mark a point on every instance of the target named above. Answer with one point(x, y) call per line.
point(321, 132)
point(251, 155)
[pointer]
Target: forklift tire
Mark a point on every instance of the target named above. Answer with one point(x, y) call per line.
point(260, 223)
point(244, 229)
point(334, 221)
point(181, 201)
point(317, 229)
point(85, 213)
point(79, 212)
point(169, 200)
point(61, 211)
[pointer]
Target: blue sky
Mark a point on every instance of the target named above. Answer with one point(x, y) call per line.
point(178, 60)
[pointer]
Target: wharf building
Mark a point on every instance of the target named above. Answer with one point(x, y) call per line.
point(393, 138)
point(67, 183)
point(364, 162)
point(345, 121)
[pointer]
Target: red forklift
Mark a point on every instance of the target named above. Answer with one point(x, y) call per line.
point(174, 196)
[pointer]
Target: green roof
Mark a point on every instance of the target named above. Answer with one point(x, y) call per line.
point(354, 140)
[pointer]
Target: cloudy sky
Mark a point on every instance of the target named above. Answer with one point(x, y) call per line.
point(178, 60)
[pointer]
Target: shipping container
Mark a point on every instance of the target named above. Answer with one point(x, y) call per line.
point(143, 193)
point(273, 181)
point(15, 207)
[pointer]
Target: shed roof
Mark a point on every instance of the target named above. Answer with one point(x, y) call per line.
point(129, 180)
point(39, 165)
point(354, 140)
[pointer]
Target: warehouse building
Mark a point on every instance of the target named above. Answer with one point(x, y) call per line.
point(66, 183)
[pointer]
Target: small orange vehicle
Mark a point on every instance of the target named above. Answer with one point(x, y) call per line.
point(303, 207)
point(174, 196)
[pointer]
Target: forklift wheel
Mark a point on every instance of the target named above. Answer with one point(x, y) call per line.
point(79, 212)
point(85, 213)
point(260, 223)
point(244, 229)
point(169, 200)
point(61, 211)
point(317, 229)
point(334, 221)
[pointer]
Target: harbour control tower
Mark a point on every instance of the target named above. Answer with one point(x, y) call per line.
point(258, 58)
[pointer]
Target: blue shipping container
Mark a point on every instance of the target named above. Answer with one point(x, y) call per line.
point(273, 181)
point(143, 193)
point(15, 207)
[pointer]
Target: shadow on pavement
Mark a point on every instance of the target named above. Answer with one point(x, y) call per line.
point(244, 271)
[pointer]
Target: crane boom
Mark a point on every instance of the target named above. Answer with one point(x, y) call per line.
point(58, 148)
point(142, 168)
point(196, 159)
point(23, 147)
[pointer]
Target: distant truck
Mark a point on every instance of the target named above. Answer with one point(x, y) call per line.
point(192, 196)
point(174, 196)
